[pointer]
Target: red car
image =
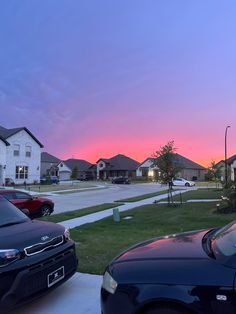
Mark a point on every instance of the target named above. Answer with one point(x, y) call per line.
point(37, 206)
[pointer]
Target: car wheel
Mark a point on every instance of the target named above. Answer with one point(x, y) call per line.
point(187, 184)
point(165, 310)
point(46, 210)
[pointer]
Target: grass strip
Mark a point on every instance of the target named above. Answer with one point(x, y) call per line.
point(199, 194)
point(78, 213)
point(141, 197)
point(79, 191)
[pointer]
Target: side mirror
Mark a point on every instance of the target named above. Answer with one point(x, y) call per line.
point(25, 211)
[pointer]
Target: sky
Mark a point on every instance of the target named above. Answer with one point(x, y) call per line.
point(92, 79)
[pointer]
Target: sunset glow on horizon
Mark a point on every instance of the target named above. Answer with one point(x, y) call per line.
point(92, 79)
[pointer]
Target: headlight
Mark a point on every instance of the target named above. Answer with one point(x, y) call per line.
point(8, 256)
point(109, 283)
point(67, 234)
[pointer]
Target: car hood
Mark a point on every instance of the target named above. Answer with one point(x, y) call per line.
point(183, 245)
point(43, 199)
point(28, 233)
point(176, 260)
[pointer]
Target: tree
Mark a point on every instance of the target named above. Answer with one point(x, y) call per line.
point(213, 172)
point(165, 161)
point(74, 174)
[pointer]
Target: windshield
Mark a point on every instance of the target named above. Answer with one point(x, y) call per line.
point(9, 214)
point(224, 240)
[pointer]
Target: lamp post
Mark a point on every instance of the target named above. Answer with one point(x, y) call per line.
point(226, 168)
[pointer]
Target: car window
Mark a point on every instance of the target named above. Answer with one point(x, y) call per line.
point(224, 240)
point(9, 214)
point(23, 196)
point(9, 196)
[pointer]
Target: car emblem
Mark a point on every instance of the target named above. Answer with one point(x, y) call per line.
point(44, 238)
point(220, 297)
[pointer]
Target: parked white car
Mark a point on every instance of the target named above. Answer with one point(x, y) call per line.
point(182, 182)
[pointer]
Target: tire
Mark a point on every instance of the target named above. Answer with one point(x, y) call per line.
point(46, 210)
point(187, 184)
point(165, 310)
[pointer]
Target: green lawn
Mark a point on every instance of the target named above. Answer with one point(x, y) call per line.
point(200, 194)
point(56, 187)
point(141, 197)
point(78, 212)
point(97, 243)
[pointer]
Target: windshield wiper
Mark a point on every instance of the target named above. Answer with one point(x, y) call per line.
point(207, 243)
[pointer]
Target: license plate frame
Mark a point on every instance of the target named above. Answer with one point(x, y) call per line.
point(56, 276)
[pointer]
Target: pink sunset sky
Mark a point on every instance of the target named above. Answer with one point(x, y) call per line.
point(92, 79)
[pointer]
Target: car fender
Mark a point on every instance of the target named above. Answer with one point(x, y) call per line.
point(175, 293)
point(189, 297)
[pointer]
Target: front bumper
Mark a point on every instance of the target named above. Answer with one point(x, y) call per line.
point(23, 285)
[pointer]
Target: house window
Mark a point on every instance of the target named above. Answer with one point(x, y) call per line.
point(16, 151)
point(28, 151)
point(21, 172)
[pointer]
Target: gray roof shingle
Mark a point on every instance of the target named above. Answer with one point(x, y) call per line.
point(81, 164)
point(120, 162)
point(46, 157)
point(6, 133)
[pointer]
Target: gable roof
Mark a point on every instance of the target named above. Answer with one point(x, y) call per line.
point(4, 141)
point(6, 133)
point(46, 157)
point(181, 161)
point(187, 163)
point(120, 162)
point(82, 165)
point(231, 159)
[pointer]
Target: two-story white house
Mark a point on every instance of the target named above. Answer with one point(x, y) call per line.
point(20, 156)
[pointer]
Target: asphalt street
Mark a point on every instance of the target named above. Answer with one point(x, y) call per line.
point(109, 194)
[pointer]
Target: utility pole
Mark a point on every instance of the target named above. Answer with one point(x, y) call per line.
point(226, 166)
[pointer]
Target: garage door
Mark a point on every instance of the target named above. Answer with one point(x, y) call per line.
point(64, 175)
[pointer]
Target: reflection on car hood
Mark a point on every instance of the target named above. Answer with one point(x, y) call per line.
point(183, 245)
point(28, 233)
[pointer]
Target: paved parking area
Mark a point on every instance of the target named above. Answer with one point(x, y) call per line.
point(80, 295)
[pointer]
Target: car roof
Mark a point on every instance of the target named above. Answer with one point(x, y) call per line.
point(9, 190)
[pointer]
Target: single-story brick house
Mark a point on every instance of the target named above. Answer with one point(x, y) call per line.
point(116, 166)
point(190, 169)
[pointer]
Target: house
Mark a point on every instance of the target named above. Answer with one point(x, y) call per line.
point(119, 165)
point(20, 154)
point(49, 165)
point(190, 169)
point(231, 165)
point(85, 169)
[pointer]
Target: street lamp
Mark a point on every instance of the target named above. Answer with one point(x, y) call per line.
point(226, 168)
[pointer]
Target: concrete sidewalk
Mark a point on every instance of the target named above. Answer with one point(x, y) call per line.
point(72, 223)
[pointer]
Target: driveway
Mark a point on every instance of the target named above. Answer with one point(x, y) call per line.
point(80, 295)
point(111, 193)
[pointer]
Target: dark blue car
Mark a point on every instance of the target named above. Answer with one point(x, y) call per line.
point(185, 273)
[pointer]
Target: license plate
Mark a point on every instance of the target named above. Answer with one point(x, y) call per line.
point(56, 276)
